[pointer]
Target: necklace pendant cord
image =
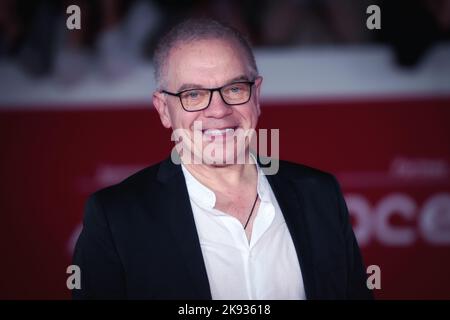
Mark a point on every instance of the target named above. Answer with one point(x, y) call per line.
point(251, 212)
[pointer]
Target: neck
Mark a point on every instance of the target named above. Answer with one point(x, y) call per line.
point(229, 177)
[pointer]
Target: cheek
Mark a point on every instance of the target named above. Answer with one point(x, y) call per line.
point(178, 117)
point(184, 120)
point(252, 114)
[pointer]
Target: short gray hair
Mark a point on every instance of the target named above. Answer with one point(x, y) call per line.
point(199, 29)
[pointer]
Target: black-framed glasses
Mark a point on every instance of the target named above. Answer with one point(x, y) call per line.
point(232, 94)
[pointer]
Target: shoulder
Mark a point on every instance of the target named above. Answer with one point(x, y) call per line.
point(300, 172)
point(139, 183)
point(297, 170)
point(314, 184)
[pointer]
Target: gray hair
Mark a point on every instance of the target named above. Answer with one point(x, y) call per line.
point(198, 29)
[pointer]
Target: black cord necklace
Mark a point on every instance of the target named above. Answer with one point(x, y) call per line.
point(251, 212)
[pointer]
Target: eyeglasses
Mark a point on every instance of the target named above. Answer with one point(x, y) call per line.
point(199, 99)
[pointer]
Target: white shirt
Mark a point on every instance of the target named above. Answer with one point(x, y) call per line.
point(267, 268)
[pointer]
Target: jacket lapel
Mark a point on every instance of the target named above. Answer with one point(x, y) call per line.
point(292, 205)
point(182, 225)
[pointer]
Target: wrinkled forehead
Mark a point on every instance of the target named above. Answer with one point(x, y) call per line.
point(206, 62)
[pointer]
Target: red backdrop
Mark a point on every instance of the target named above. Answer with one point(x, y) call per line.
point(391, 157)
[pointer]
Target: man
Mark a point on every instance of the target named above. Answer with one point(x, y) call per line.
point(215, 227)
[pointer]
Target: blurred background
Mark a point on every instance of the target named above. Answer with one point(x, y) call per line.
point(370, 106)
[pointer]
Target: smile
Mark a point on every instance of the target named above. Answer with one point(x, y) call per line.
point(219, 132)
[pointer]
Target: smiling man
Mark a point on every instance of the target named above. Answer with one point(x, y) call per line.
point(216, 226)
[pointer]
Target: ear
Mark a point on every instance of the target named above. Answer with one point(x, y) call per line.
point(258, 83)
point(160, 103)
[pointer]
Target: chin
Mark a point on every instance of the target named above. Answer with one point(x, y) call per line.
point(237, 155)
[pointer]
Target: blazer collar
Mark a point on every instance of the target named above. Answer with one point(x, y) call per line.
point(291, 202)
point(181, 223)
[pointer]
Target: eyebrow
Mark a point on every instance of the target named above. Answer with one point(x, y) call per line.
point(186, 86)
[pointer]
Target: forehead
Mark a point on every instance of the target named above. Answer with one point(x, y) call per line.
point(207, 62)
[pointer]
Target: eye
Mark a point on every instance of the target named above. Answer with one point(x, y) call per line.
point(235, 89)
point(193, 94)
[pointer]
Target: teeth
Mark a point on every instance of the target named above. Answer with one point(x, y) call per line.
point(217, 132)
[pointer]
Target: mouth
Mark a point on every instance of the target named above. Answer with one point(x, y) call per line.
point(217, 132)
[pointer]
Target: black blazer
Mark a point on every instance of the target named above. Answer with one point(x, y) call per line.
point(139, 239)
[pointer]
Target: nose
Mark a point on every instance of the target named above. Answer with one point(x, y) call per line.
point(217, 108)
